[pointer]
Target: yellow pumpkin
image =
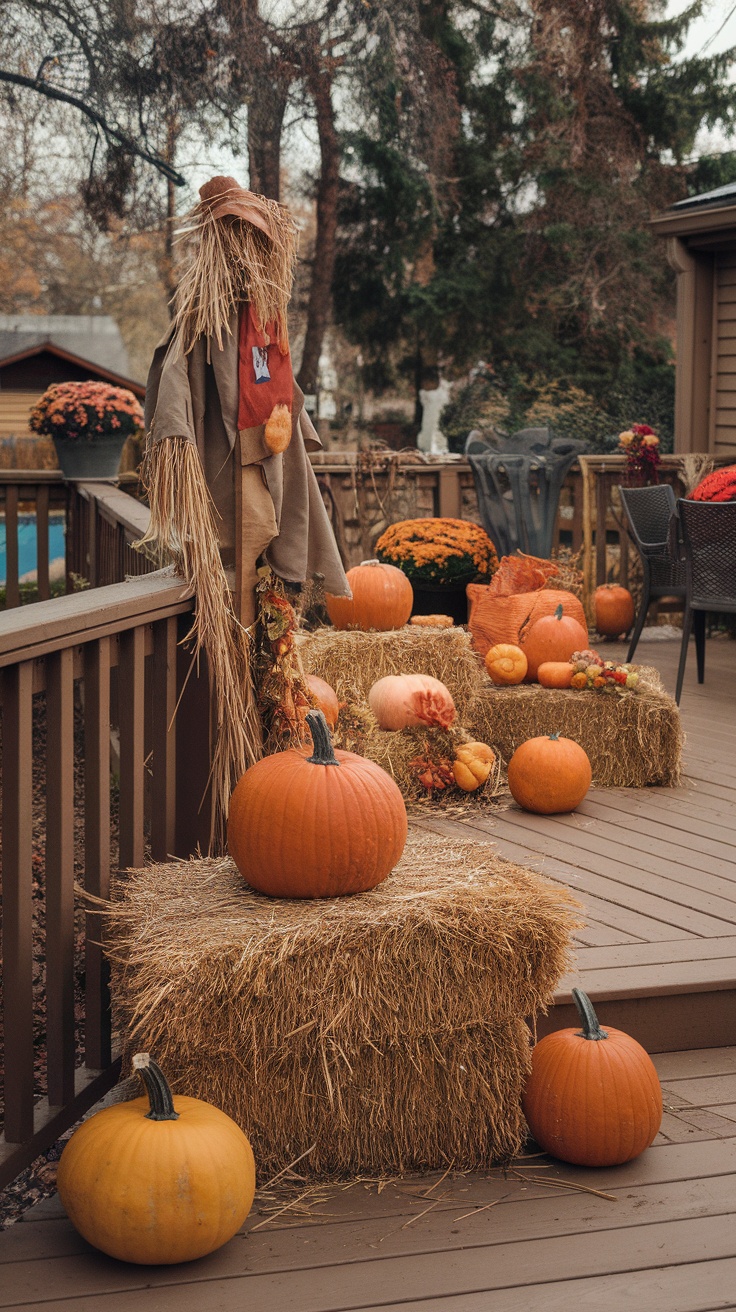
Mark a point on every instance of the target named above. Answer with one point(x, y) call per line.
point(158, 1180)
point(506, 664)
point(472, 765)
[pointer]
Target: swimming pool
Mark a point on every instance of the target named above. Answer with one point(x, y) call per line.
point(27, 561)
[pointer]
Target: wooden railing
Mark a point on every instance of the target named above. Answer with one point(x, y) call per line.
point(102, 522)
point(94, 779)
point(39, 492)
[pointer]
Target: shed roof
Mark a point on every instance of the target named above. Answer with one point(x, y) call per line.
point(725, 195)
point(95, 338)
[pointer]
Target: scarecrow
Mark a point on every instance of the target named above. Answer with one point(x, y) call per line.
point(231, 488)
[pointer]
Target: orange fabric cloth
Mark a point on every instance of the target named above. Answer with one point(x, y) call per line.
point(521, 574)
point(265, 377)
point(496, 619)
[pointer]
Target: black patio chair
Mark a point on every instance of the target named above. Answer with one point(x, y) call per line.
point(518, 479)
point(708, 538)
point(649, 511)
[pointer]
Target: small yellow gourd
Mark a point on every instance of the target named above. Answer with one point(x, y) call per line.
point(472, 765)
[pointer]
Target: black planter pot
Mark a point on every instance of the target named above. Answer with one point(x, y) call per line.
point(97, 459)
point(441, 599)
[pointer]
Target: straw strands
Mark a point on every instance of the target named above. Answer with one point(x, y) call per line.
point(352, 661)
point(375, 1033)
point(632, 738)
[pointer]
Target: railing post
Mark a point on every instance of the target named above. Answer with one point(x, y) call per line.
point(163, 786)
point(97, 1050)
point(12, 590)
point(60, 1044)
point(131, 700)
point(193, 751)
point(17, 830)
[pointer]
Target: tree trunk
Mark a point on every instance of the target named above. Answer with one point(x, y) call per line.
point(323, 265)
point(265, 122)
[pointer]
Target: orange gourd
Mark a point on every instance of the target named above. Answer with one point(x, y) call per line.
point(316, 826)
point(472, 765)
point(593, 1097)
point(325, 698)
point(555, 674)
point(382, 598)
point(159, 1179)
point(549, 775)
point(552, 638)
point(506, 664)
point(402, 701)
point(614, 609)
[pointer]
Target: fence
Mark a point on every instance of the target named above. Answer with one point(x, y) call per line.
point(86, 790)
point(101, 522)
point(36, 491)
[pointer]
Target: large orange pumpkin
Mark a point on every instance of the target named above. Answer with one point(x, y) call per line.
point(325, 697)
point(382, 598)
point(549, 775)
point(552, 638)
point(506, 664)
point(593, 1097)
point(614, 609)
point(159, 1179)
point(316, 826)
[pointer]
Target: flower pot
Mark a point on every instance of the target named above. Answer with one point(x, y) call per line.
point(441, 599)
point(97, 459)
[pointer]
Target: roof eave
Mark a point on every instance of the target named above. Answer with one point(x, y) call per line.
point(118, 380)
point(699, 219)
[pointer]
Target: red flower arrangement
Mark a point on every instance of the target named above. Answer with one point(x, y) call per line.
point(640, 445)
point(718, 486)
point(83, 412)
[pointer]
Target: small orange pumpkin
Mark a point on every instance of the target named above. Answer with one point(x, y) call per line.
point(382, 598)
point(614, 609)
point(549, 775)
point(316, 826)
point(555, 674)
point(593, 1097)
point(325, 697)
point(506, 664)
point(552, 638)
point(472, 765)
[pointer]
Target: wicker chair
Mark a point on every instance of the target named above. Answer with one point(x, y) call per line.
point(708, 538)
point(649, 511)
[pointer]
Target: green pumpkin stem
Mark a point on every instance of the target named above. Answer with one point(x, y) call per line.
point(588, 1019)
point(323, 753)
point(157, 1088)
point(559, 612)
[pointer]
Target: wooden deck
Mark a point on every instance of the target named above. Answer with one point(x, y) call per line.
point(657, 872)
point(665, 1235)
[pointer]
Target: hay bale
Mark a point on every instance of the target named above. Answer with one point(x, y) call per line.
point(352, 661)
point(395, 751)
point(384, 1032)
point(632, 738)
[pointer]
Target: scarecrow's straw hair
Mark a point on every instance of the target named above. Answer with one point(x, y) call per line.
point(234, 261)
point(386, 1029)
point(182, 528)
point(352, 661)
point(632, 738)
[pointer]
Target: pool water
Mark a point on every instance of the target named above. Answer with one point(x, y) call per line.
point(27, 561)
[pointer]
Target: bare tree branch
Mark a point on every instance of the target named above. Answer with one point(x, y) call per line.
point(54, 93)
